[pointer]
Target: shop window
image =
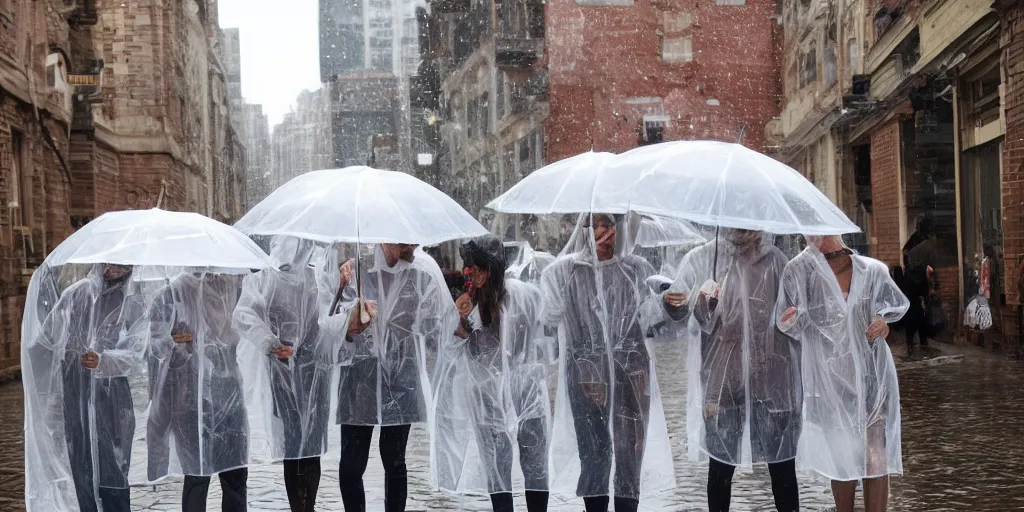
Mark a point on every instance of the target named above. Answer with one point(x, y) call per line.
point(929, 180)
point(980, 208)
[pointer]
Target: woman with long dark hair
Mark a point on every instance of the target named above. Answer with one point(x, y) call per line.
point(490, 386)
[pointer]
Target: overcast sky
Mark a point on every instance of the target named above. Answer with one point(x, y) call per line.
point(280, 50)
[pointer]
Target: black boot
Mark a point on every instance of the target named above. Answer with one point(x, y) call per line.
point(626, 505)
point(596, 503)
point(536, 501)
point(502, 502)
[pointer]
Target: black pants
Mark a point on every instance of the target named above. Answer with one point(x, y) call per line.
point(600, 504)
point(533, 454)
point(232, 483)
point(915, 322)
point(302, 480)
point(536, 501)
point(355, 452)
point(784, 485)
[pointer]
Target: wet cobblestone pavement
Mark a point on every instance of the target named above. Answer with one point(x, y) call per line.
point(963, 421)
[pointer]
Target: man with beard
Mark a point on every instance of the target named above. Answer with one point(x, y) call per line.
point(393, 311)
point(196, 396)
point(91, 326)
point(745, 377)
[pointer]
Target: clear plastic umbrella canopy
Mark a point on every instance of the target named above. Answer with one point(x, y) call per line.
point(566, 186)
point(162, 239)
point(361, 205)
point(657, 231)
point(719, 184)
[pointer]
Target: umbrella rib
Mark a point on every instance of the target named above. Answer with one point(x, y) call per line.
point(757, 165)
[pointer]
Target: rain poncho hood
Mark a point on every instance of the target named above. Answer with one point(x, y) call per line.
point(525, 263)
point(383, 370)
point(79, 423)
point(743, 394)
point(851, 427)
point(492, 408)
point(197, 419)
point(609, 435)
point(292, 396)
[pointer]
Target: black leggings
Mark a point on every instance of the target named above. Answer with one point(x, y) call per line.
point(784, 485)
point(355, 452)
point(232, 483)
point(302, 480)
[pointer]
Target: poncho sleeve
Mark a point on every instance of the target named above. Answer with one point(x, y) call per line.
point(552, 287)
point(250, 316)
point(888, 301)
point(131, 344)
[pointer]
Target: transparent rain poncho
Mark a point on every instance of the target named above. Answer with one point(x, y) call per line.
point(491, 399)
point(279, 308)
point(79, 423)
point(525, 263)
point(197, 421)
point(851, 427)
point(609, 436)
point(383, 370)
point(743, 392)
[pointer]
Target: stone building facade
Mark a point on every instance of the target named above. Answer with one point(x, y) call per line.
point(125, 104)
point(256, 131)
point(302, 141)
point(906, 110)
point(158, 129)
point(35, 114)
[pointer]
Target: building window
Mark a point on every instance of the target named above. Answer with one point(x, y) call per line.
point(17, 192)
point(809, 68)
point(499, 99)
point(677, 49)
point(829, 68)
point(607, 3)
point(852, 57)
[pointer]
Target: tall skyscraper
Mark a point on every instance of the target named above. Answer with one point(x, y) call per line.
point(369, 49)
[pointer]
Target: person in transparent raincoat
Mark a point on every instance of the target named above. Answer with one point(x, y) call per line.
point(525, 263)
point(744, 395)
point(837, 304)
point(609, 436)
point(403, 307)
point(491, 397)
point(197, 424)
point(78, 358)
point(278, 314)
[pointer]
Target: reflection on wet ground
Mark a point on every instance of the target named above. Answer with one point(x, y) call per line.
point(962, 426)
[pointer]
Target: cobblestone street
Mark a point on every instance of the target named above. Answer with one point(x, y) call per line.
point(959, 419)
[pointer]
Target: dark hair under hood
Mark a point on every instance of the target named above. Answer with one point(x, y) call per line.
point(487, 253)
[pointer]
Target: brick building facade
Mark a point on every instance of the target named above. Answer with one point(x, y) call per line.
point(152, 128)
point(526, 82)
point(1012, 64)
point(34, 191)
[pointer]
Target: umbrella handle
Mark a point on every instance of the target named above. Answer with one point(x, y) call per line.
point(337, 299)
point(714, 267)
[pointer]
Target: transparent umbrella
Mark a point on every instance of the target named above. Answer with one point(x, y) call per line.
point(657, 231)
point(360, 205)
point(566, 186)
point(719, 184)
point(161, 239)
